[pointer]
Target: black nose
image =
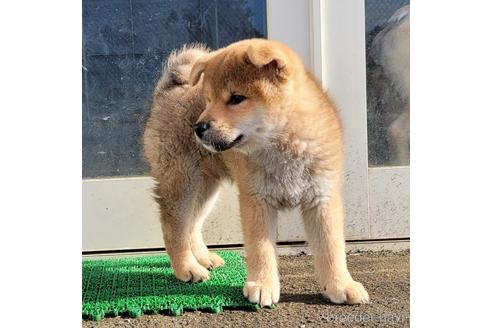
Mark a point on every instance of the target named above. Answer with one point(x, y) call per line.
point(200, 128)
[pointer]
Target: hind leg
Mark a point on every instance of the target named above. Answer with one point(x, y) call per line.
point(182, 216)
point(177, 199)
point(177, 238)
point(204, 205)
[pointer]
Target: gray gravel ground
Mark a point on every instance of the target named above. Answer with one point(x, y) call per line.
point(386, 276)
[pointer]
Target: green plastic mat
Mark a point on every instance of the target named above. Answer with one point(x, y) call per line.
point(137, 285)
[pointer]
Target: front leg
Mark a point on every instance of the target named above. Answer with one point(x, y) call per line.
point(259, 222)
point(324, 229)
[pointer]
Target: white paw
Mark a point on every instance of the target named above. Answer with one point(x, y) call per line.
point(350, 292)
point(191, 272)
point(211, 260)
point(262, 292)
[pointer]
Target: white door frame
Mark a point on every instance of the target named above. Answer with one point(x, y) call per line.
point(338, 61)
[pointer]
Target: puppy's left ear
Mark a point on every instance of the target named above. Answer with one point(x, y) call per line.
point(268, 58)
point(200, 65)
point(197, 70)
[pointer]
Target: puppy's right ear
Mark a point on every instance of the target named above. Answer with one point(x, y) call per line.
point(267, 57)
point(197, 70)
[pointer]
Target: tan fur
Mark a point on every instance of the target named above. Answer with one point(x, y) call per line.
point(285, 149)
point(186, 174)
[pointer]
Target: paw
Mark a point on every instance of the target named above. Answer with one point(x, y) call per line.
point(262, 292)
point(211, 260)
point(191, 272)
point(350, 292)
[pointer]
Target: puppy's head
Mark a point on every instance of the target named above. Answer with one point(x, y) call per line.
point(244, 86)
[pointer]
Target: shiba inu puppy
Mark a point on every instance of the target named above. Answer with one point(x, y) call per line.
point(259, 119)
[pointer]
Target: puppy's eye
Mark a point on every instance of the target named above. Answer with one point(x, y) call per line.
point(235, 99)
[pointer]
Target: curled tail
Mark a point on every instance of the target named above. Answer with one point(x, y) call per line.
point(178, 65)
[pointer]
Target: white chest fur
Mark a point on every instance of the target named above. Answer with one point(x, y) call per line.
point(284, 180)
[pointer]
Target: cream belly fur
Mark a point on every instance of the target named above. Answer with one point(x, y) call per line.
point(260, 120)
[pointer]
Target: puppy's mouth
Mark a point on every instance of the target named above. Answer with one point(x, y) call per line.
point(221, 146)
point(215, 146)
point(238, 139)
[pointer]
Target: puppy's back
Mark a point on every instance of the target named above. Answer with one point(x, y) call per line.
point(169, 143)
point(168, 138)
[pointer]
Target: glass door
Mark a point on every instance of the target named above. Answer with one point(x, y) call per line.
point(387, 29)
point(124, 45)
point(373, 102)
